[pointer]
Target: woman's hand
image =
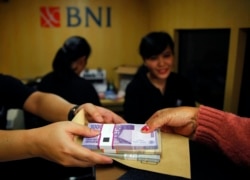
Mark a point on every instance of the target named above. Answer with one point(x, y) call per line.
point(55, 142)
point(179, 120)
point(100, 114)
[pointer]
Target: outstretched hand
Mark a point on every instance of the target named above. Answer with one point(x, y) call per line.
point(179, 120)
point(100, 114)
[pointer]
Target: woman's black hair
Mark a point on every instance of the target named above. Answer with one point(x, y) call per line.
point(72, 49)
point(154, 43)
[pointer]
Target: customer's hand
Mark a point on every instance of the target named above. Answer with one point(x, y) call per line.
point(100, 114)
point(179, 120)
point(55, 142)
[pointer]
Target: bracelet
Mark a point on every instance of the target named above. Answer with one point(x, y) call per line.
point(72, 112)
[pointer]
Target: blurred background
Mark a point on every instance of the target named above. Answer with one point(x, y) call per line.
point(211, 38)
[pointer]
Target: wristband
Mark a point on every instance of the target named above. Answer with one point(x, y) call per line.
point(72, 113)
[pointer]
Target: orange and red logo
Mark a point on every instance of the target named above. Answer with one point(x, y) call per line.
point(50, 17)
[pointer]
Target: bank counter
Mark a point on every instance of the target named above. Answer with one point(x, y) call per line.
point(206, 164)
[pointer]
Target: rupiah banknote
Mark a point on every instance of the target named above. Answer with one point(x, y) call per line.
point(123, 138)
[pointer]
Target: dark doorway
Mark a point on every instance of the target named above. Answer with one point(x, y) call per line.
point(244, 101)
point(203, 57)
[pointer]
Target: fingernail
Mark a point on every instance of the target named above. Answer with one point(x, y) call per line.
point(145, 128)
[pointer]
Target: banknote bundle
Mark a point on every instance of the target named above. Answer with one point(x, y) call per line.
point(126, 139)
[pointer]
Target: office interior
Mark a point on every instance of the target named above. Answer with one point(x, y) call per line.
point(114, 29)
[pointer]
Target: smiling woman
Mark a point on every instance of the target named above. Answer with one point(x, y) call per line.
point(155, 86)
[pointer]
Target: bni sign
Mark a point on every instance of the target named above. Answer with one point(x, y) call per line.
point(50, 17)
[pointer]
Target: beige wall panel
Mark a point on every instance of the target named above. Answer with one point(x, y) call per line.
point(172, 14)
point(27, 49)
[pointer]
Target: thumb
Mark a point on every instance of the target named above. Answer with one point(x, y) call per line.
point(85, 131)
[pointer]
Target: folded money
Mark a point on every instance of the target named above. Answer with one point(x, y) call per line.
point(144, 158)
point(123, 138)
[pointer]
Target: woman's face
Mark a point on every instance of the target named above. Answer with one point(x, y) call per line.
point(79, 65)
point(160, 65)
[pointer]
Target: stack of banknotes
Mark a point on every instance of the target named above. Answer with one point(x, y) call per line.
point(125, 141)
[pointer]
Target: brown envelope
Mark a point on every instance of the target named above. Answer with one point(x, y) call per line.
point(175, 158)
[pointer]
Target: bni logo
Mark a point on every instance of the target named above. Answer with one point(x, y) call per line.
point(50, 17)
point(75, 16)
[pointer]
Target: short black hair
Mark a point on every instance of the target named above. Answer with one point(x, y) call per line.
point(154, 43)
point(73, 48)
